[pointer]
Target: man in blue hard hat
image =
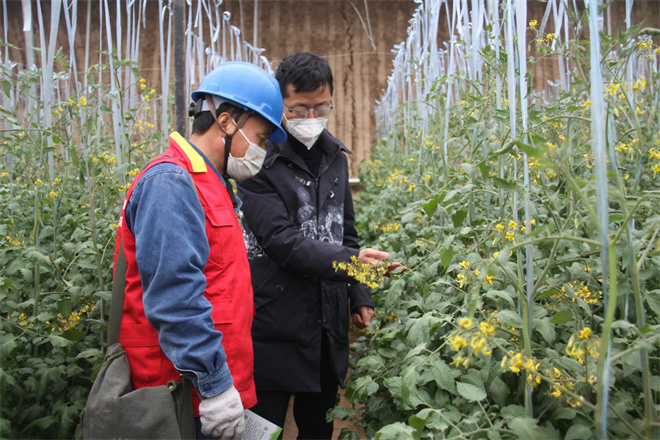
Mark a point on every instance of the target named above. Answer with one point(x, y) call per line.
point(188, 305)
point(299, 220)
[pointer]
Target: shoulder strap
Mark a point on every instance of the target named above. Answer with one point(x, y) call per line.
point(117, 302)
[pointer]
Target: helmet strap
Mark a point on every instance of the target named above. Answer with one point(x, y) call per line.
point(228, 136)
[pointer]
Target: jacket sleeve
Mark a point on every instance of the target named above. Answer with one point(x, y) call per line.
point(359, 294)
point(168, 222)
point(267, 218)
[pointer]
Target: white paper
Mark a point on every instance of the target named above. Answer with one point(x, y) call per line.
point(258, 428)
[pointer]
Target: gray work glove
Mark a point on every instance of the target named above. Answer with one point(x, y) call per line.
point(222, 415)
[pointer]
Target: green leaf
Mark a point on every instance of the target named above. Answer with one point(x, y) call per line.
point(504, 184)
point(58, 341)
point(579, 431)
point(6, 87)
point(469, 169)
point(7, 347)
point(546, 328)
point(562, 317)
point(409, 384)
point(446, 256)
point(499, 391)
point(485, 170)
point(501, 294)
point(393, 384)
point(418, 335)
point(418, 421)
point(396, 431)
point(91, 353)
point(564, 413)
point(510, 317)
point(430, 206)
point(524, 427)
point(458, 218)
point(443, 377)
point(473, 299)
point(64, 307)
point(530, 150)
point(471, 392)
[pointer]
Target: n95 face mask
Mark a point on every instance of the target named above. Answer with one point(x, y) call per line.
point(306, 130)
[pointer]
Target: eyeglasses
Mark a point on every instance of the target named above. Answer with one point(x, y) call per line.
point(319, 112)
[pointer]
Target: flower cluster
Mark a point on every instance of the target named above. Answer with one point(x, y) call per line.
point(582, 344)
point(516, 362)
point(471, 341)
point(579, 291)
point(397, 176)
point(371, 273)
point(388, 227)
point(73, 320)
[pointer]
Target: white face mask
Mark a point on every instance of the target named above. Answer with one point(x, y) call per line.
point(241, 168)
point(306, 130)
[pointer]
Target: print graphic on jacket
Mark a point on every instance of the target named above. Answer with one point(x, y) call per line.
point(329, 227)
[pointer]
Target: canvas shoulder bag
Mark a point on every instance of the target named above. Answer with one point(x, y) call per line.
point(114, 410)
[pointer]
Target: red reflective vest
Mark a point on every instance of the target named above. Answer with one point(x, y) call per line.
point(228, 289)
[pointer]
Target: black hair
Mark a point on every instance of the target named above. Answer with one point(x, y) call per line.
point(204, 120)
point(305, 71)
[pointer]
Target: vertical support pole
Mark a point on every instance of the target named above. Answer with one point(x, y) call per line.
point(180, 109)
point(255, 36)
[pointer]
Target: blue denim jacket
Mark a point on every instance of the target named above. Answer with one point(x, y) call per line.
point(167, 219)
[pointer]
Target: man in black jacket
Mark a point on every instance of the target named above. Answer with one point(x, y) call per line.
point(299, 216)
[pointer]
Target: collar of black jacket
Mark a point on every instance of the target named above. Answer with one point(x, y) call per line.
point(328, 144)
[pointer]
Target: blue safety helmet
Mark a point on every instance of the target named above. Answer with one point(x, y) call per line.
point(247, 86)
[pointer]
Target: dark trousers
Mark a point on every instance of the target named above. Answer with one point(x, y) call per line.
point(309, 409)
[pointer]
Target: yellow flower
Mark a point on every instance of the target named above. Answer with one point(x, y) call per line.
point(480, 345)
point(52, 194)
point(510, 235)
point(586, 104)
point(639, 84)
point(465, 264)
point(37, 182)
point(575, 402)
point(550, 37)
point(457, 343)
point(513, 225)
point(532, 24)
point(496, 254)
point(639, 111)
point(486, 328)
point(556, 392)
point(488, 280)
point(499, 227)
point(515, 363)
point(465, 322)
point(584, 333)
point(656, 169)
point(613, 88)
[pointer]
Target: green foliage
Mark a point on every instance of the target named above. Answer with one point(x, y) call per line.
point(60, 198)
point(494, 329)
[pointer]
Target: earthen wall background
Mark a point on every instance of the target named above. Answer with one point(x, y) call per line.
point(329, 28)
